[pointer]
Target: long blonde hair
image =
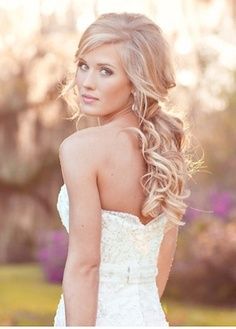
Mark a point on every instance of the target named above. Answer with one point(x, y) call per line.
point(147, 61)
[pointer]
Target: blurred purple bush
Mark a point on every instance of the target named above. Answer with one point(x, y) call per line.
point(52, 253)
point(204, 269)
point(222, 203)
point(217, 202)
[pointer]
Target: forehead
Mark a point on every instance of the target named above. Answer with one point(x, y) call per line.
point(104, 54)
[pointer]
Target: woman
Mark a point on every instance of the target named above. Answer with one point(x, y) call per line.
point(125, 180)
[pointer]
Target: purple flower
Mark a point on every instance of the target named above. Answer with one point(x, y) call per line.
point(52, 254)
point(222, 203)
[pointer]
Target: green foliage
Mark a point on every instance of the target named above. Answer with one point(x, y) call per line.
point(26, 298)
point(190, 314)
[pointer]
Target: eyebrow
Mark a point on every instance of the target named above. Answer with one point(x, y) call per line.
point(98, 64)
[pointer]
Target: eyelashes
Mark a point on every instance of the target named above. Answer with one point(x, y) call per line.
point(107, 71)
point(80, 64)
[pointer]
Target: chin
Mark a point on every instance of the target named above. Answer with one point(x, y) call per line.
point(89, 113)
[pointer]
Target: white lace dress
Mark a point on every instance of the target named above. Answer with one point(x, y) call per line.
point(128, 295)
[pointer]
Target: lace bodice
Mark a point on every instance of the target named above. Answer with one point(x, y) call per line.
point(128, 294)
point(124, 237)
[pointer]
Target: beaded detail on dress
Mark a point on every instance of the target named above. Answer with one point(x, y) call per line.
point(128, 293)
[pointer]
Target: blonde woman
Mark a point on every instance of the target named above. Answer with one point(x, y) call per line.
point(124, 180)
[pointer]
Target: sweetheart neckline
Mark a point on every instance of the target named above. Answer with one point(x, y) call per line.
point(133, 216)
point(117, 212)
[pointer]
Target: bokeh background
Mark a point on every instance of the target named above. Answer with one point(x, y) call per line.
point(37, 46)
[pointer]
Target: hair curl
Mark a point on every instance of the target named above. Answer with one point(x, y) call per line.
point(165, 141)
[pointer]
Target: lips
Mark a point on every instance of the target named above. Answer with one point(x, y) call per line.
point(86, 96)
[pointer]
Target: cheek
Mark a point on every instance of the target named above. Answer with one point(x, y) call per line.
point(79, 81)
point(116, 88)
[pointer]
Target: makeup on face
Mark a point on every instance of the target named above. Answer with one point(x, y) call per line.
point(103, 85)
point(83, 66)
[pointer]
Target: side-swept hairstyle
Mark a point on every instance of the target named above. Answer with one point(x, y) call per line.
point(147, 61)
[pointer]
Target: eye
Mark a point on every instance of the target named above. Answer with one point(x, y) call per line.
point(81, 66)
point(106, 71)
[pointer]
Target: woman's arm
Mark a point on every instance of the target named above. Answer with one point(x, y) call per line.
point(166, 257)
point(81, 275)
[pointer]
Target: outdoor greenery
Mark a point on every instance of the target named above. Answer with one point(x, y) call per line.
point(26, 297)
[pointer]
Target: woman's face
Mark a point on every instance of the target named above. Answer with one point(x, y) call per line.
point(100, 75)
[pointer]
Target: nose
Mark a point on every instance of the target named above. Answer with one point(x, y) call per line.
point(88, 80)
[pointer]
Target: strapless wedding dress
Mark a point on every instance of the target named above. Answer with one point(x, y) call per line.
point(128, 294)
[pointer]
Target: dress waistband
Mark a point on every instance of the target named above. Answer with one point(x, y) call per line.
point(127, 273)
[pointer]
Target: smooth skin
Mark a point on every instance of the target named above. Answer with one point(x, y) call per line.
point(94, 169)
point(81, 274)
point(109, 83)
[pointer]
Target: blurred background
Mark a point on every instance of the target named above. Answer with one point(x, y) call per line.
point(37, 45)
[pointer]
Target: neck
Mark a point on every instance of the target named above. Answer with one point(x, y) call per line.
point(125, 115)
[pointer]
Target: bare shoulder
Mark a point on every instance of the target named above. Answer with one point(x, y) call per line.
point(76, 140)
point(94, 143)
point(84, 143)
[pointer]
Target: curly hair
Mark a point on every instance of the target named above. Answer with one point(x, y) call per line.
point(164, 137)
